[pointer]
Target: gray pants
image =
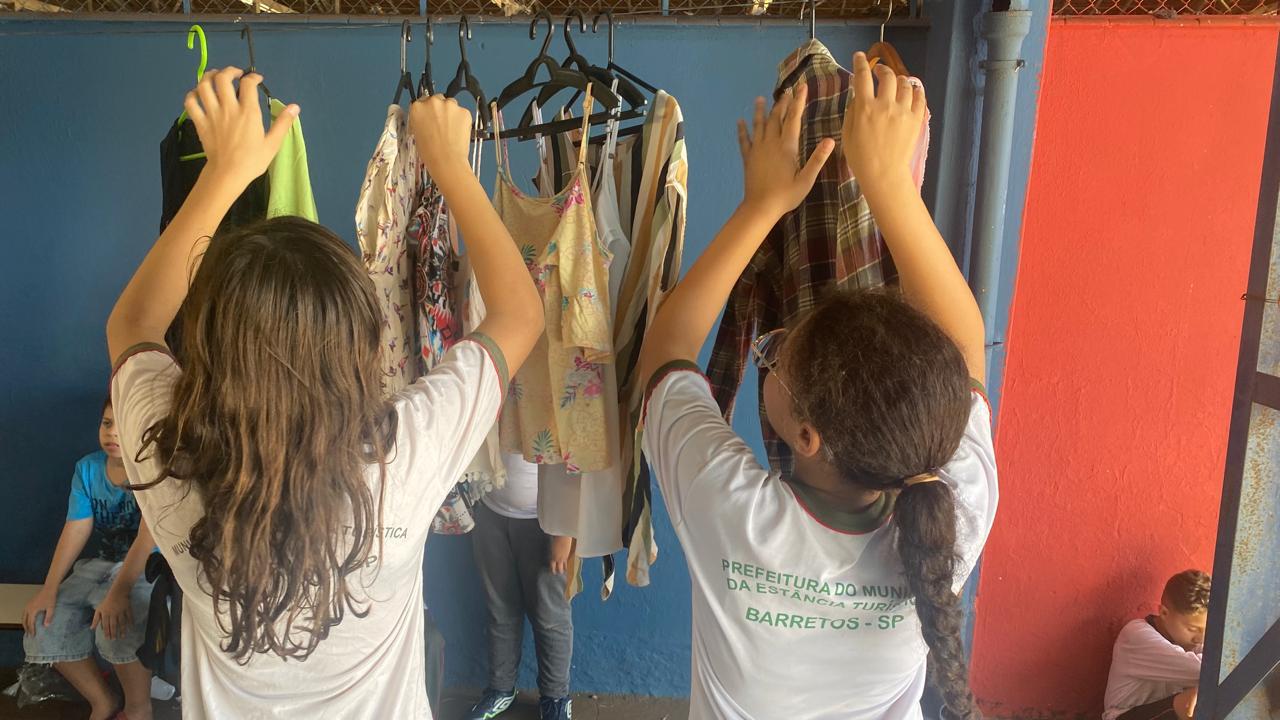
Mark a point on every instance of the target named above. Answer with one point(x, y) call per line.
point(513, 557)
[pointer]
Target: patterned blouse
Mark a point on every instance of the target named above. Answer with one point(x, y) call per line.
point(556, 408)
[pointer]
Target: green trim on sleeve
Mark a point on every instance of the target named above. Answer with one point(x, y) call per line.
point(136, 349)
point(662, 372)
point(495, 353)
point(978, 387)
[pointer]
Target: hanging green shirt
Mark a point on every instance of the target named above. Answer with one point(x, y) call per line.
point(289, 186)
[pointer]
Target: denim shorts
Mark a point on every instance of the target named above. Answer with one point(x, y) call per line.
point(68, 638)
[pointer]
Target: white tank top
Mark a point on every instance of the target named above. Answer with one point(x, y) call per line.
point(518, 498)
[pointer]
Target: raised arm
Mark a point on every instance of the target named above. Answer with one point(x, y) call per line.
point(513, 308)
point(881, 128)
point(229, 123)
point(775, 183)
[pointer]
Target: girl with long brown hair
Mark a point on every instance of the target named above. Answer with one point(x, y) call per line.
point(831, 593)
point(291, 501)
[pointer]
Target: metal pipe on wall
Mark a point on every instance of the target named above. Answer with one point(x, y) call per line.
point(1004, 32)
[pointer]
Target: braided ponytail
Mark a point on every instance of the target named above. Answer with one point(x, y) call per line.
point(888, 392)
point(925, 516)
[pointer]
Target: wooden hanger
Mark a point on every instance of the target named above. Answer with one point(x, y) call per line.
point(883, 52)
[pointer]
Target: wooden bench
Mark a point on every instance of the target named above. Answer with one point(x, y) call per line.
point(13, 600)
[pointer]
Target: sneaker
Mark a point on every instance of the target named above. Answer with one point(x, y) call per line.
point(492, 704)
point(161, 690)
point(555, 709)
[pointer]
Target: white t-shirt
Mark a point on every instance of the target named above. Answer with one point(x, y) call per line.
point(1145, 667)
point(518, 498)
point(370, 667)
point(793, 618)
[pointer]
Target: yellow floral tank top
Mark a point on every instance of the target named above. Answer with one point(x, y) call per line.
point(555, 409)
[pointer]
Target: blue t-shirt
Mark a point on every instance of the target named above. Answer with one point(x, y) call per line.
point(114, 511)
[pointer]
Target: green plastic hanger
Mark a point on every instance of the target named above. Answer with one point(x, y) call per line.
point(196, 30)
point(192, 33)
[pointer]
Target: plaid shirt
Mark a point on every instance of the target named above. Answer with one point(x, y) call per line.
point(830, 241)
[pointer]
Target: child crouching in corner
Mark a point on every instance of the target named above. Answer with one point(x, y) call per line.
point(1155, 667)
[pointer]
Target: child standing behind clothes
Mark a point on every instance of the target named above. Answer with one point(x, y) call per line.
point(104, 601)
point(1155, 667)
point(523, 573)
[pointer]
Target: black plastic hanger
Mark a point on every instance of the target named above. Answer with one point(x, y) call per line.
point(426, 85)
point(615, 67)
point(559, 77)
point(246, 33)
point(626, 90)
point(406, 80)
point(464, 80)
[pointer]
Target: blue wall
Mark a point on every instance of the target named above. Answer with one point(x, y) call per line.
point(83, 108)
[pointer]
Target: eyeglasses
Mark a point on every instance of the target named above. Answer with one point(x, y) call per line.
point(766, 351)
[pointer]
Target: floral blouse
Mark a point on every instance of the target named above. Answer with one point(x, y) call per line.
point(555, 410)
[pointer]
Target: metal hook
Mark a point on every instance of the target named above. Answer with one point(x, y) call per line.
point(426, 85)
point(595, 27)
point(464, 34)
point(813, 19)
point(246, 34)
point(582, 28)
point(551, 29)
point(406, 36)
point(886, 20)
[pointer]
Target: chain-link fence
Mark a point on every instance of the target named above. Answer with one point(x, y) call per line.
point(1166, 8)
point(766, 8)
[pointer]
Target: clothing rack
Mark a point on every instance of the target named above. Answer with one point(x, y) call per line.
point(780, 13)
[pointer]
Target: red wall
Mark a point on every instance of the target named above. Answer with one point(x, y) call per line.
point(1122, 346)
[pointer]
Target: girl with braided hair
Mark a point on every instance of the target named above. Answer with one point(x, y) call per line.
point(833, 592)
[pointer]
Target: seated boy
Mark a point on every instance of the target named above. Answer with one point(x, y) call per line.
point(1155, 667)
point(104, 601)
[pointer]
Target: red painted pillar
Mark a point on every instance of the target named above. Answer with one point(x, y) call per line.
point(1122, 345)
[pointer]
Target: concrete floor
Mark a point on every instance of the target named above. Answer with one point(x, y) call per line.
point(585, 707)
point(455, 704)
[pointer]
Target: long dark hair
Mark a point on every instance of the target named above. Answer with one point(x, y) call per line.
point(275, 418)
point(888, 393)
